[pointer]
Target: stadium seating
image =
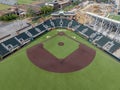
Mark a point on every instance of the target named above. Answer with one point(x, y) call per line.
point(89, 32)
point(12, 44)
point(23, 38)
point(94, 37)
point(33, 32)
point(73, 24)
point(102, 41)
point(12, 41)
point(48, 23)
point(82, 27)
point(3, 51)
point(41, 27)
point(56, 22)
point(115, 47)
point(65, 23)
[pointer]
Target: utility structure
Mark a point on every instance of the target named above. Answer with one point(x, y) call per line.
point(106, 26)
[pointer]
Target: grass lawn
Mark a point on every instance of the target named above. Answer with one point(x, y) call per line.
point(4, 7)
point(115, 17)
point(61, 52)
point(18, 73)
point(30, 1)
point(26, 1)
point(69, 7)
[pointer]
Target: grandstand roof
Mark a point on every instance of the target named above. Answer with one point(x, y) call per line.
point(105, 18)
point(69, 13)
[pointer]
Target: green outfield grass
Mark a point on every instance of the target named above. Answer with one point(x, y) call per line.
point(18, 73)
point(61, 52)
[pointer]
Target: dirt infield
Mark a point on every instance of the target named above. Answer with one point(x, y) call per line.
point(79, 59)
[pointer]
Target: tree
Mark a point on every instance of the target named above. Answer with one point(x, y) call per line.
point(46, 9)
point(8, 17)
point(30, 12)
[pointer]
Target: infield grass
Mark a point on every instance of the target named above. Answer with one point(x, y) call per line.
point(18, 73)
point(61, 52)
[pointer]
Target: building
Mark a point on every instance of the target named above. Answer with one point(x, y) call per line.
point(59, 4)
point(55, 5)
point(63, 14)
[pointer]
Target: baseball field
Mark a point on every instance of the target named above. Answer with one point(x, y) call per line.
point(17, 72)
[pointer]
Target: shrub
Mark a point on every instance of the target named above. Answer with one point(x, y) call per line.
point(8, 17)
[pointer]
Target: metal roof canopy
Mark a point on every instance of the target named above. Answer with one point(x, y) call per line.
point(105, 18)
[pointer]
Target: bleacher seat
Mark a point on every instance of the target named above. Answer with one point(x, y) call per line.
point(101, 42)
point(74, 24)
point(65, 22)
point(89, 32)
point(3, 51)
point(33, 32)
point(41, 27)
point(12, 41)
point(48, 23)
point(56, 22)
point(23, 38)
point(93, 36)
point(82, 27)
point(115, 47)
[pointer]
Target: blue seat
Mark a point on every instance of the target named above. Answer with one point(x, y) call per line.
point(103, 41)
point(3, 51)
point(33, 32)
point(74, 24)
point(23, 36)
point(65, 22)
point(89, 32)
point(115, 47)
point(41, 27)
point(56, 22)
point(82, 27)
point(12, 41)
point(48, 23)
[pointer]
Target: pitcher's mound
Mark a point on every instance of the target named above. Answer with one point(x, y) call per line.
point(61, 43)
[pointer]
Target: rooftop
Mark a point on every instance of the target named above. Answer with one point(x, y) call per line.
point(65, 13)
